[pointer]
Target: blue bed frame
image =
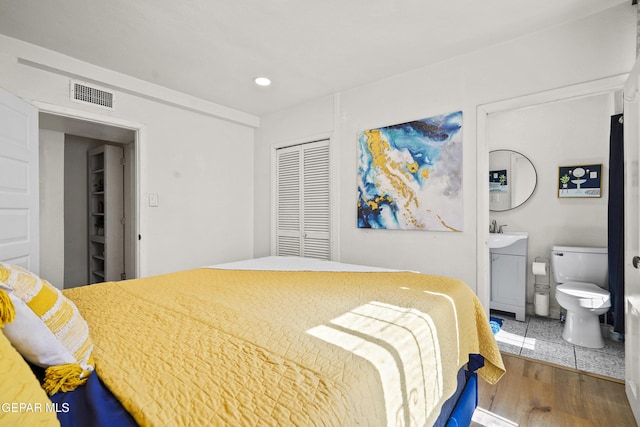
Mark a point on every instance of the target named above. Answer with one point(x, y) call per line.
point(466, 404)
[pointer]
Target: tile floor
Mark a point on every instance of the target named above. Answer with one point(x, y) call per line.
point(540, 338)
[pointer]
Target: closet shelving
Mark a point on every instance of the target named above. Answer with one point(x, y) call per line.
point(105, 213)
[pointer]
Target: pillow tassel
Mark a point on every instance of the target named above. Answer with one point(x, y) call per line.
point(64, 378)
point(7, 310)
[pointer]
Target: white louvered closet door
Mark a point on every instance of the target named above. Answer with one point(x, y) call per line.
point(302, 210)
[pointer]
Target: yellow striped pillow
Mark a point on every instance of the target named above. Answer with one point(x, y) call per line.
point(48, 329)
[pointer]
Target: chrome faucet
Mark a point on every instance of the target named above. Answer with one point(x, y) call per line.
point(495, 228)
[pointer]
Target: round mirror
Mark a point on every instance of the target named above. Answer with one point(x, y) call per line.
point(512, 179)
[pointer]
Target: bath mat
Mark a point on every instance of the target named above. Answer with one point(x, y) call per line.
point(496, 324)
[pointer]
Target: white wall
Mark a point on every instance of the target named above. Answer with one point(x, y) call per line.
point(313, 122)
point(197, 156)
point(52, 207)
point(564, 133)
point(598, 46)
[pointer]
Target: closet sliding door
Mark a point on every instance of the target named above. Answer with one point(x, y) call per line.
point(302, 200)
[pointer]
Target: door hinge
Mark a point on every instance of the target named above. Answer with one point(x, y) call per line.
point(123, 276)
point(123, 161)
point(123, 220)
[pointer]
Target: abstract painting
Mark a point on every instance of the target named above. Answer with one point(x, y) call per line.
point(410, 175)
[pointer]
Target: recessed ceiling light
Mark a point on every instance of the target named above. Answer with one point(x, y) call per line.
point(262, 81)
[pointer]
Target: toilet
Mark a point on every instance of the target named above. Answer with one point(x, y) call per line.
point(582, 277)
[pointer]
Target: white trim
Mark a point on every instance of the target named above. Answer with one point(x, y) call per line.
point(139, 132)
point(483, 283)
point(334, 170)
point(126, 84)
point(140, 136)
point(272, 201)
point(594, 87)
point(84, 115)
point(300, 141)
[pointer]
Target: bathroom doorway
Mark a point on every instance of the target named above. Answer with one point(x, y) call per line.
point(564, 127)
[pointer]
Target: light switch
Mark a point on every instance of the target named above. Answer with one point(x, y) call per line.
point(153, 200)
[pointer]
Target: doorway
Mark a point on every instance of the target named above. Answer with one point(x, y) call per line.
point(541, 216)
point(64, 197)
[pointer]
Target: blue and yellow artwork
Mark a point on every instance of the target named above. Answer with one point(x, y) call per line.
point(410, 175)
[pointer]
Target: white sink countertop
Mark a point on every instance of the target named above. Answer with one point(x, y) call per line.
point(502, 240)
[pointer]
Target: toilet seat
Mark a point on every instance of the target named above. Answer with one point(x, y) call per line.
point(588, 294)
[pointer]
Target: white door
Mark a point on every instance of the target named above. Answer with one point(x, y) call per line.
point(19, 181)
point(632, 239)
point(302, 201)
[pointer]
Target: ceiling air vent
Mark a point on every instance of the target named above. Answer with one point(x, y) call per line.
point(85, 94)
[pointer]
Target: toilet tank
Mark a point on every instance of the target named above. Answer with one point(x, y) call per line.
point(580, 264)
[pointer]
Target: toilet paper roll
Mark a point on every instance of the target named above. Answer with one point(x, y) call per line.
point(541, 304)
point(539, 268)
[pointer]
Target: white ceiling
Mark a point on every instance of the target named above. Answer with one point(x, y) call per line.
point(213, 49)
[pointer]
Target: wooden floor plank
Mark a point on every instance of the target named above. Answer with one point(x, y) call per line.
point(533, 394)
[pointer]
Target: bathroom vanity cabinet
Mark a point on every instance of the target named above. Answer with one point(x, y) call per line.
point(509, 278)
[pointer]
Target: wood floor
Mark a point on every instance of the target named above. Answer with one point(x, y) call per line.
point(533, 394)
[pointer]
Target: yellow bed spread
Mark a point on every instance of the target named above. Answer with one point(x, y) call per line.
point(220, 347)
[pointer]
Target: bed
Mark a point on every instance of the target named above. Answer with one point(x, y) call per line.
point(283, 341)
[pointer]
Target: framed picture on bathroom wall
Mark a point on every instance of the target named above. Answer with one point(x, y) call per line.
point(580, 181)
point(498, 181)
